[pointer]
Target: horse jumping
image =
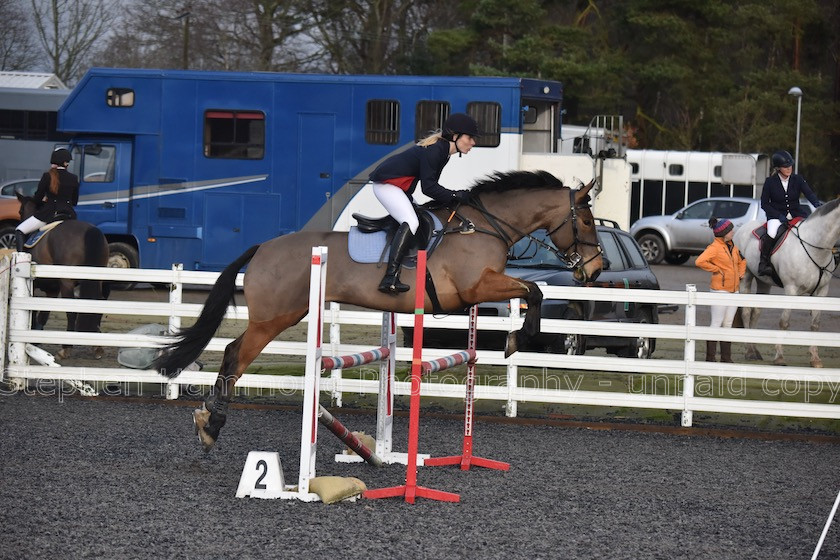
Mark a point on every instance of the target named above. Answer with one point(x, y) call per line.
point(465, 269)
point(804, 263)
point(70, 243)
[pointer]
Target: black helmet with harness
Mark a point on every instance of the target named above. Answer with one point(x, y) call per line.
point(782, 159)
point(457, 124)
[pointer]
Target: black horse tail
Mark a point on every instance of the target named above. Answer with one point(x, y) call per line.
point(193, 340)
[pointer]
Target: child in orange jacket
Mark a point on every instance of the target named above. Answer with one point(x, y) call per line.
point(727, 266)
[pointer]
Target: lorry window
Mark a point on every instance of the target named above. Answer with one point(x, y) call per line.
point(98, 165)
point(382, 121)
point(429, 116)
point(119, 97)
point(234, 134)
point(489, 119)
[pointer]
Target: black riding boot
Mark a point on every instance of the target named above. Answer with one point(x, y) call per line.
point(765, 267)
point(20, 239)
point(399, 246)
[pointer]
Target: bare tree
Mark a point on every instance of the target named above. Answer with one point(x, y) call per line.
point(18, 50)
point(68, 30)
point(210, 35)
point(368, 36)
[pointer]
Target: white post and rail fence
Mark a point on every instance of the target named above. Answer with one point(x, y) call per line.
point(678, 385)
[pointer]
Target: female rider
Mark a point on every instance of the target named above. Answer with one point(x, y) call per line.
point(395, 179)
point(61, 189)
point(780, 202)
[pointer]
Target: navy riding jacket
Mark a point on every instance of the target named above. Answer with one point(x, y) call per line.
point(423, 164)
point(778, 203)
point(61, 202)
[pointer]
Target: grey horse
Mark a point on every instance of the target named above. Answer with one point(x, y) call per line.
point(804, 263)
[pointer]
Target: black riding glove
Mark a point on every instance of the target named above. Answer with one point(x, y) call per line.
point(460, 196)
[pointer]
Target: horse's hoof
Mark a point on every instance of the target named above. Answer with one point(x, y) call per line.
point(201, 417)
point(98, 353)
point(816, 362)
point(62, 354)
point(779, 362)
point(510, 345)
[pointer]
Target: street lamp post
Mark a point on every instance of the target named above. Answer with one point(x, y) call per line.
point(797, 93)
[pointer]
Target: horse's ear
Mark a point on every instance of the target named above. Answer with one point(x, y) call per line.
point(584, 190)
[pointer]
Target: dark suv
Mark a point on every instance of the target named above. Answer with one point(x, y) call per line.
point(624, 267)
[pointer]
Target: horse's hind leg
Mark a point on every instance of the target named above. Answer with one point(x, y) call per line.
point(67, 291)
point(211, 417)
point(784, 323)
point(812, 350)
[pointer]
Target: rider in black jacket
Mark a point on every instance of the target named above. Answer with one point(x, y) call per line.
point(396, 178)
point(60, 188)
point(780, 202)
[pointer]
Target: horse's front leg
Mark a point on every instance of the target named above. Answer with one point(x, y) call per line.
point(812, 350)
point(494, 286)
point(749, 318)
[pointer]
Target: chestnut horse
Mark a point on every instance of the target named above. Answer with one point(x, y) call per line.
point(465, 269)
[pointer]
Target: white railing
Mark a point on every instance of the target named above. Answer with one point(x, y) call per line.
point(525, 377)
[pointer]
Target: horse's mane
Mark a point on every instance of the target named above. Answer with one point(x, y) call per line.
point(826, 208)
point(511, 180)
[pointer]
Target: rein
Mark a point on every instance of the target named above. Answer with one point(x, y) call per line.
point(572, 261)
point(822, 269)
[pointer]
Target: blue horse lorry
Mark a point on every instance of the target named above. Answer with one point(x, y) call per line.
point(194, 167)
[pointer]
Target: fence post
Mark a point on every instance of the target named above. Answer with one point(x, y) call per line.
point(20, 319)
point(512, 369)
point(176, 297)
point(335, 340)
point(688, 376)
point(5, 277)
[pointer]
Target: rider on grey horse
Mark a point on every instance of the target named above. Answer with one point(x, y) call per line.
point(780, 202)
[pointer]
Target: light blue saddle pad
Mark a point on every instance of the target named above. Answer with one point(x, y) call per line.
point(370, 247)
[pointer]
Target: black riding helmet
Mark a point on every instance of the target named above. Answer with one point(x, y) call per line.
point(457, 124)
point(60, 157)
point(782, 159)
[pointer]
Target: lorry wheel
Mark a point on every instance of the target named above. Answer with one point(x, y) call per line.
point(677, 258)
point(122, 255)
point(653, 248)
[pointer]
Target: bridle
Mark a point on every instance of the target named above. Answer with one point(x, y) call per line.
point(572, 260)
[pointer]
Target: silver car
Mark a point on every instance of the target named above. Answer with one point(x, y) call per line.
point(674, 238)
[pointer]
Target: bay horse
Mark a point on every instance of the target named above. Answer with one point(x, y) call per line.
point(804, 263)
point(465, 269)
point(70, 243)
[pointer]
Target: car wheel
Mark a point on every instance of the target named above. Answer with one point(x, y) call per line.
point(573, 344)
point(122, 255)
point(653, 248)
point(640, 347)
point(7, 237)
point(677, 258)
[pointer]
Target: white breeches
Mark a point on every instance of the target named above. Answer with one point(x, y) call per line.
point(397, 203)
point(722, 315)
point(773, 227)
point(30, 224)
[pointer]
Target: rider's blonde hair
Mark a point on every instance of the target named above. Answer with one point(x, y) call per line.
point(430, 139)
